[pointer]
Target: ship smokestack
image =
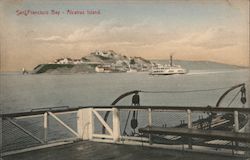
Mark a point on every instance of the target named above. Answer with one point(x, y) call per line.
point(171, 60)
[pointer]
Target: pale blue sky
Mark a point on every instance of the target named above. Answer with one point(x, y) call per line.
point(193, 30)
point(170, 13)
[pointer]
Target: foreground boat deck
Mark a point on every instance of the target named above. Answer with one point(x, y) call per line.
point(41, 129)
point(226, 135)
point(104, 151)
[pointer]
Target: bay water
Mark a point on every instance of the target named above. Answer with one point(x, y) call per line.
point(20, 93)
point(25, 92)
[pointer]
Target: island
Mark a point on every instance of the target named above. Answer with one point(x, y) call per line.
point(96, 62)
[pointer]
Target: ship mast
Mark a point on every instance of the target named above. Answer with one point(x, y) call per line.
point(171, 60)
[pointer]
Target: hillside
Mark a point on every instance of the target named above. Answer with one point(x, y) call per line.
point(110, 61)
point(104, 59)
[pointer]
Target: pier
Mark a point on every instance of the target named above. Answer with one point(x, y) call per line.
point(50, 127)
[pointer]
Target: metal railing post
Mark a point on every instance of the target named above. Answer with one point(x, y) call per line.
point(91, 124)
point(1, 134)
point(80, 123)
point(85, 124)
point(116, 124)
point(236, 121)
point(189, 116)
point(236, 127)
point(150, 124)
point(149, 117)
point(45, 126)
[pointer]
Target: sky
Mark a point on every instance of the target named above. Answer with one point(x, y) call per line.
point(206, 30)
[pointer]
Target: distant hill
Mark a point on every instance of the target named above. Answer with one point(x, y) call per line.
point(200, 65)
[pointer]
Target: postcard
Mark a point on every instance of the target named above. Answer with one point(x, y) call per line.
point(133, 79)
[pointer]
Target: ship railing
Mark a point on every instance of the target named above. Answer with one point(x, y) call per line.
point(26, 131)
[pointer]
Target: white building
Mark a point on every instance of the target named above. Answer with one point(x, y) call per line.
point(77, 61)
point(64, 61)
point(103, 69)
point(107, 54)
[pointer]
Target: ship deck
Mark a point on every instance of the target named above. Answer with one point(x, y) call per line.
point(28, 142)
point(105, 151)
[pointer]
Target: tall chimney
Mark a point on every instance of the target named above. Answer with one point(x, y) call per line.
point(171, 60)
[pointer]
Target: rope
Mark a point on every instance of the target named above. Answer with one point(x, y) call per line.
point(233, 98)
point(134, 121)
point(125, 127)
point(186, 91)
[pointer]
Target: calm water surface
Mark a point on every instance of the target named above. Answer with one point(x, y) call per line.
point(26, 92)
point(22, 93)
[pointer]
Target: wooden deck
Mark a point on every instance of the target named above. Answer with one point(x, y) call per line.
point(87, 150)
point(214, 134)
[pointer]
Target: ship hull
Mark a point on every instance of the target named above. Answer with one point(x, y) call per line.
point(167, 72)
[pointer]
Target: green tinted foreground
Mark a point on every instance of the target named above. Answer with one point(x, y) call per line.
point(94, 151)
